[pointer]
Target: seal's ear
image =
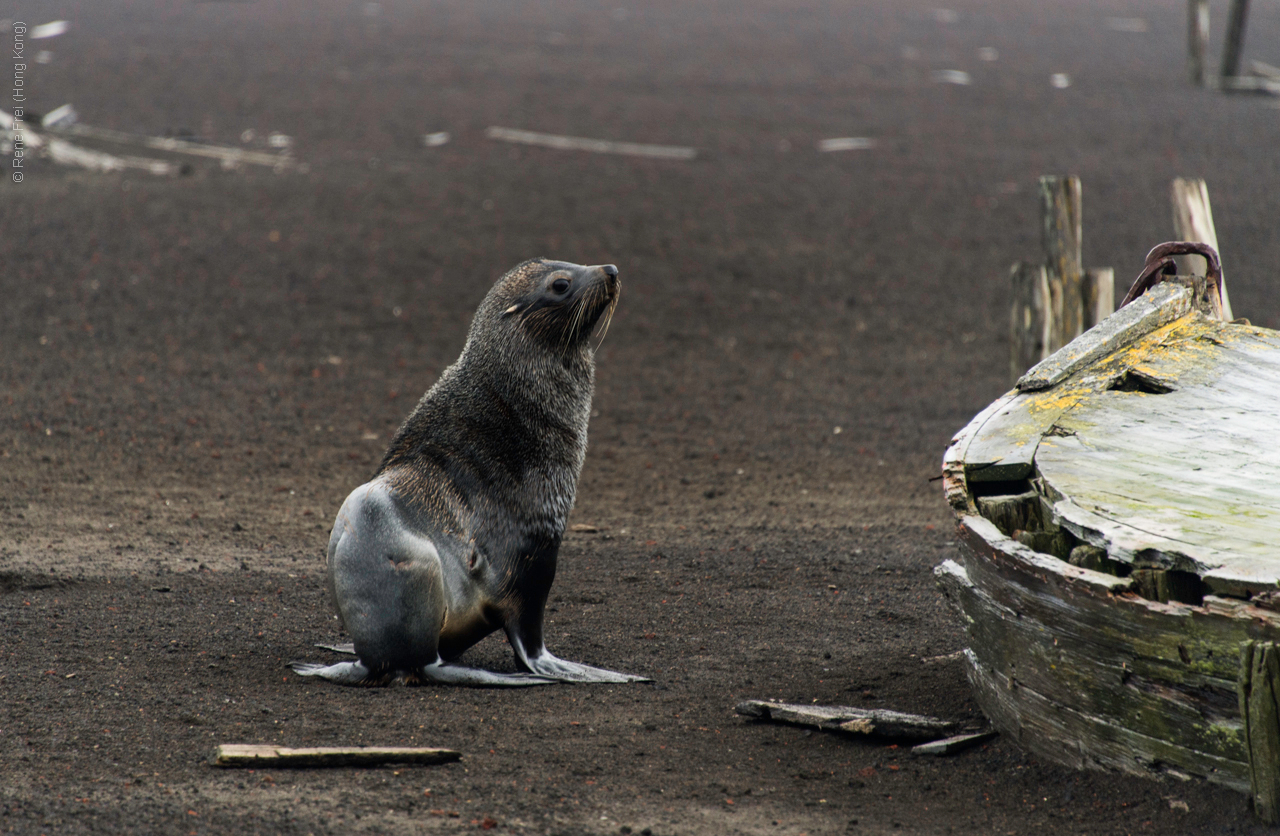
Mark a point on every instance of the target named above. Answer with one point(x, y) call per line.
point(509, 311)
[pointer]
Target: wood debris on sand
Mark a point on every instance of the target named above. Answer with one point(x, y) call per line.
point(260, 756)
point(932, 735)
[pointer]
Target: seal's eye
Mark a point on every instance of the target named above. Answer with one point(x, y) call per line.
point(560, 285)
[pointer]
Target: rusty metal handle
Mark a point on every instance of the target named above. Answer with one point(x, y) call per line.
point(1160, 265)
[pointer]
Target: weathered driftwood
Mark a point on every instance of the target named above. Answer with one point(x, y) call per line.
point(262, 756)
point(877, 723)
point(1118, 573)
point(226, 155)
point(1193, 221)
point(1197, 39)
point(597, 146)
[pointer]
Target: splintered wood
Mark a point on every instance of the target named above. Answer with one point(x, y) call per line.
point(1118, 518)
point(260, 756)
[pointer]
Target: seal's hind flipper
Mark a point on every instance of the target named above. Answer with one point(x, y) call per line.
point(348, 648)
point(460, 675)
point(343, 673)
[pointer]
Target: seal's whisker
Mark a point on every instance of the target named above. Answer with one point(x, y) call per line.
point(567, 328)
point(583, 307)
point(566, 335)
point(608, 319)
point(579, 313)
point(599, 304)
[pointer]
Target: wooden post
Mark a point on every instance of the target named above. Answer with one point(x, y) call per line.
point(1235, 39)
point(1060, 204)
point(1193, 221)
point(1055, 303)
point(1259, 693)
point(1098, 295)
point(1028, 318)
point(1197, 38)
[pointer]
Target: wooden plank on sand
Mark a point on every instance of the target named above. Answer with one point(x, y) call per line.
point(260, 756)
point(878, 723)
point(596, 146)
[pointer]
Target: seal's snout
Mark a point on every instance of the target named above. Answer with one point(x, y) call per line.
point(605, 275)
point(599, 272)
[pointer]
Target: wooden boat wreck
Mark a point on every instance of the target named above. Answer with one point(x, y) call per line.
point(1119, 533)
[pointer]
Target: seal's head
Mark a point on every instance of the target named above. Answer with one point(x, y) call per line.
point(527, 365)
point(555, 304)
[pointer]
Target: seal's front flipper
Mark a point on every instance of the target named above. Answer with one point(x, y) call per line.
point(343, 673)
point(460, 675)
point(533, 656)
point(544, 664)
point(349, 648)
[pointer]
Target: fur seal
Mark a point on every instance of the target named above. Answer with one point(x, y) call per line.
point(456, 536)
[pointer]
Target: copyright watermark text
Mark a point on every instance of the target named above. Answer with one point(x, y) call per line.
point(19, 96)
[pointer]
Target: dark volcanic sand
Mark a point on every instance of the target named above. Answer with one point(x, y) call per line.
point(198, 369)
